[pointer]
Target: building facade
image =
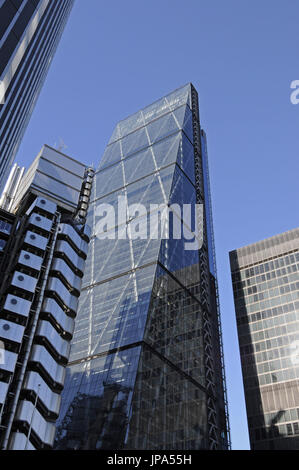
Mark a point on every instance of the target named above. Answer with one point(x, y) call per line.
point(29, 34)
point(43, 246)
point(146, 367)
point(265, 278)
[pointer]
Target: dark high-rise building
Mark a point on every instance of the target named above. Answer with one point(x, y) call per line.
point(265, 278)
point(43, 246)
point(29, 34)
point(146, 366)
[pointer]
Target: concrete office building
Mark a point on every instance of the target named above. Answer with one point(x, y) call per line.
point(265, 278)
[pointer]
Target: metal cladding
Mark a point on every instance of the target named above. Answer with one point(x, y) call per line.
point(43, 262)
point(11, 187)
point(57, 177)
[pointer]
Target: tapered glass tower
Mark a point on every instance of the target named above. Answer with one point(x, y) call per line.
point(146, 368)
point(29, 34)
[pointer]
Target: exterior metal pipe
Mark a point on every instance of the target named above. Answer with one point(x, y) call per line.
point(32, 416)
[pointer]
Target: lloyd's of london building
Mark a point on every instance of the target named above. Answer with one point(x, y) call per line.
point(146, 366)
point(43, 247)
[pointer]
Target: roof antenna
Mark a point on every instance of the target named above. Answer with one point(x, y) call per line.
point(61, 145)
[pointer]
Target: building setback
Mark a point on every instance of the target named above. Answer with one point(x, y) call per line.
point(43, 246)
point(29, 34)
point(265, 278)
point(146, 369)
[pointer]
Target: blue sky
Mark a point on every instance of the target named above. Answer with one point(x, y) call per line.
point(116, 57)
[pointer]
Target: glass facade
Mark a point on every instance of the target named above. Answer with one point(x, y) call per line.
point(29, 34)
point(136, 378)
point(266, 291)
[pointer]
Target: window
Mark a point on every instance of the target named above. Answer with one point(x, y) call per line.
point(296, 428)
point(5, 226)
point(289, 429)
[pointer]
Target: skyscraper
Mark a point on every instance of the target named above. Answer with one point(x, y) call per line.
point(43, 245)
point(29, 34)
point(265, 278)
point(146, 367)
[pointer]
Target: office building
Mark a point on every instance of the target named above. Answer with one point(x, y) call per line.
point(43, 246)
point(146, 366)
point(265, 278)
point(29, 34)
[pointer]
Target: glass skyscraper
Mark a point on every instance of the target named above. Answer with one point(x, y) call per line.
point(146, 366)
point(265, 279)
point(29, 34)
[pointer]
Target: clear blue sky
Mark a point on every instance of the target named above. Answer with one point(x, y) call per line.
point(117, 56)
